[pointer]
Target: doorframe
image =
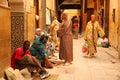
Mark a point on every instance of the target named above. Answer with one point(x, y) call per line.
point(118, 48)
point(36, 4)
point(106, 17)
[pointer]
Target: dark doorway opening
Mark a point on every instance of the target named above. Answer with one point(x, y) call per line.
point(36, 4)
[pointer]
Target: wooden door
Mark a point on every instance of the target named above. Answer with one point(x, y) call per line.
point(106, 22)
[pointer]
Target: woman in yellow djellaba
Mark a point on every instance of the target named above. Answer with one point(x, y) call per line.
point(93, 28)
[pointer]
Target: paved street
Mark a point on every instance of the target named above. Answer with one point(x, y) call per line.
point(104, 66)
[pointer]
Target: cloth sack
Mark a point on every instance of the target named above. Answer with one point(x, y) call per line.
point(103, 42)
point(100, 40)
point(13, 74)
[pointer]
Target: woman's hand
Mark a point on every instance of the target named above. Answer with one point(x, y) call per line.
point(103, 37)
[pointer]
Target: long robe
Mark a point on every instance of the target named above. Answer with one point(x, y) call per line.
point(53, 31)
point(66, 41)
point(91, 35)
point(38, 48)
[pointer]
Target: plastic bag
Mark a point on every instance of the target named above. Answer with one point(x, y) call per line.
point(85, 48)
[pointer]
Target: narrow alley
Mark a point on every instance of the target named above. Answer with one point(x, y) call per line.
point(58, 22)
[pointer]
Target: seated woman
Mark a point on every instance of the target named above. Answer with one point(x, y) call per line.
point(38, 33)
point(22, 58)
point(38, 49)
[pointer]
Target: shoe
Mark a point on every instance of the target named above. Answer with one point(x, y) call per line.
point(44, 75)
point(49, 67)
point(66, 64)
point(71, 62)
point(91, 55)
point(32, 73)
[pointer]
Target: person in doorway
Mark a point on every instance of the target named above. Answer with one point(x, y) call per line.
point(75, 24)
point(53, 30)
point(66, 41)
point(38, 49)
point(93, 28)
point(22, 58)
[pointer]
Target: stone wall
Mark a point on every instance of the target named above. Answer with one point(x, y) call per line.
point(40, 19)
point(22, 22)
point(5, 39)
point(30, 25)
point(50, 4)
point(119, 27)
point(4, 3)
point(73, 12)
point(113, 26)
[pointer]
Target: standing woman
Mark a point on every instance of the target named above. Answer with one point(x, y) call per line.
point(76, 26)
point(93, 28)
point(66, 41)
